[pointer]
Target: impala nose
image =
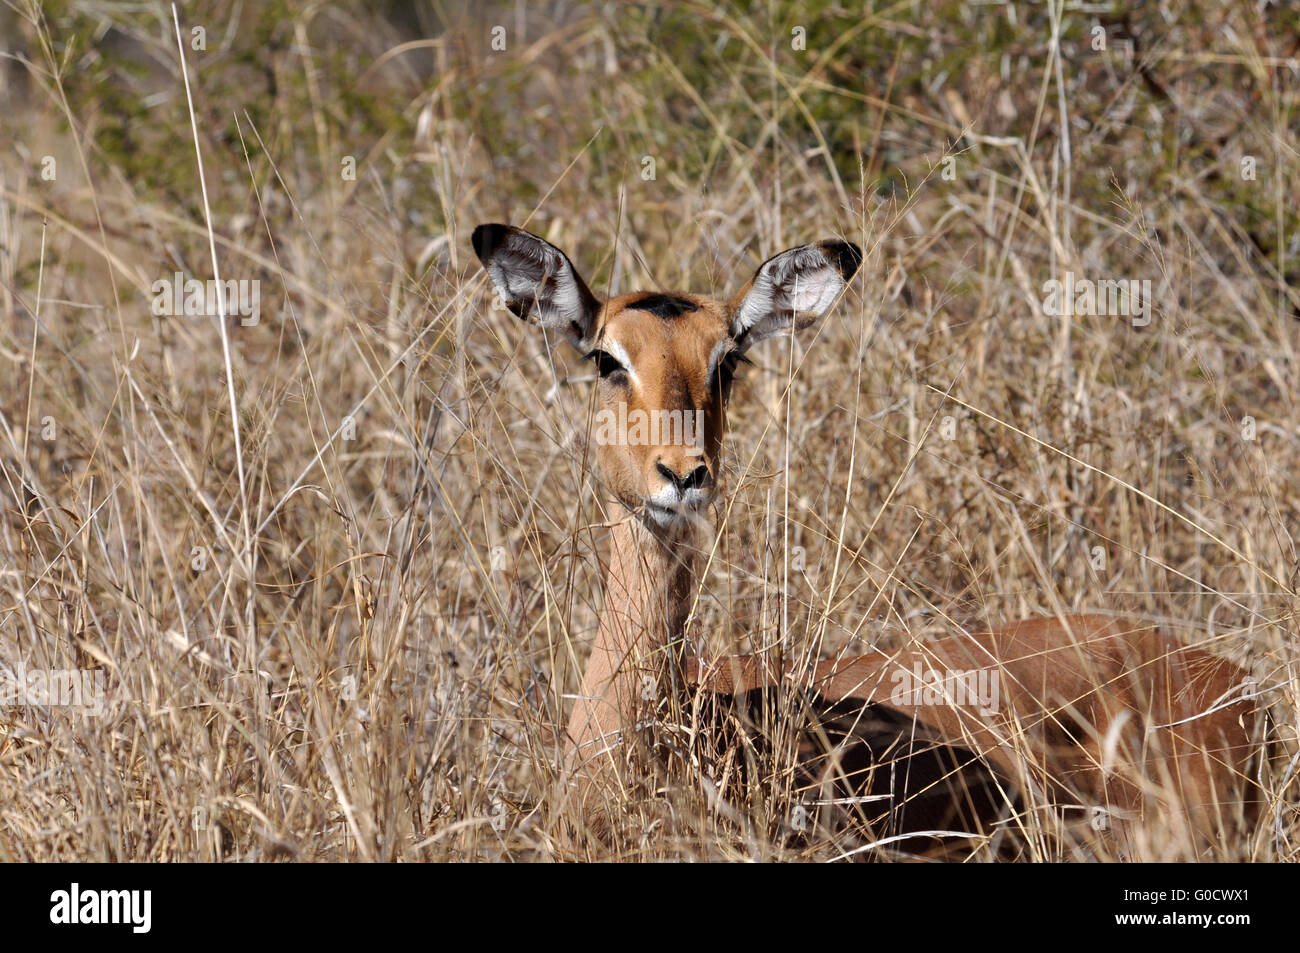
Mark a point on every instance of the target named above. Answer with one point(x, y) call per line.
point(696, 479)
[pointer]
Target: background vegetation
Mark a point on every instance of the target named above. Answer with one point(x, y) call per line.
point(341, 621)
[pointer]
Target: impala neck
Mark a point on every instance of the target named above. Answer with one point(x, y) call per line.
point(638, 649)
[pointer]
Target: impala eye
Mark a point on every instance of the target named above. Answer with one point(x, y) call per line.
point(606, 365)
point(728, 364)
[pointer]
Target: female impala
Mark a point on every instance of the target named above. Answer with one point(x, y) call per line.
point(1084, 711)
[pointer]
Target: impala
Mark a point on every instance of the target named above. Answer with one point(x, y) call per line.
point(965, 736)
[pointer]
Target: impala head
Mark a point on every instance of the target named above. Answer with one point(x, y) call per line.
point(666, 361)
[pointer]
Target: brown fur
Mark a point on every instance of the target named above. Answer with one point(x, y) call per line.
point(670, 358)
point(1094, 712)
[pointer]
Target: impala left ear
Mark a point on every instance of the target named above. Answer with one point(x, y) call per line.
point(793, 288)
point(538, 281)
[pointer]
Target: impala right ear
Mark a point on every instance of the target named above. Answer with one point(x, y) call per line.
point(538, 281)
point(793, 288)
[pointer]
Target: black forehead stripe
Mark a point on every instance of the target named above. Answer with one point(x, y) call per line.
point(664, 306)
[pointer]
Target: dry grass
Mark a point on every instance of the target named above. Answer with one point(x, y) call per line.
point(442, 558)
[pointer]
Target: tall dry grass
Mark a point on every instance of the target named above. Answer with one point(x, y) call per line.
point(353, 636)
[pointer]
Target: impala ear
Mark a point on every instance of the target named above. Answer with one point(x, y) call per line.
point(537, 280)
point(793, 288)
